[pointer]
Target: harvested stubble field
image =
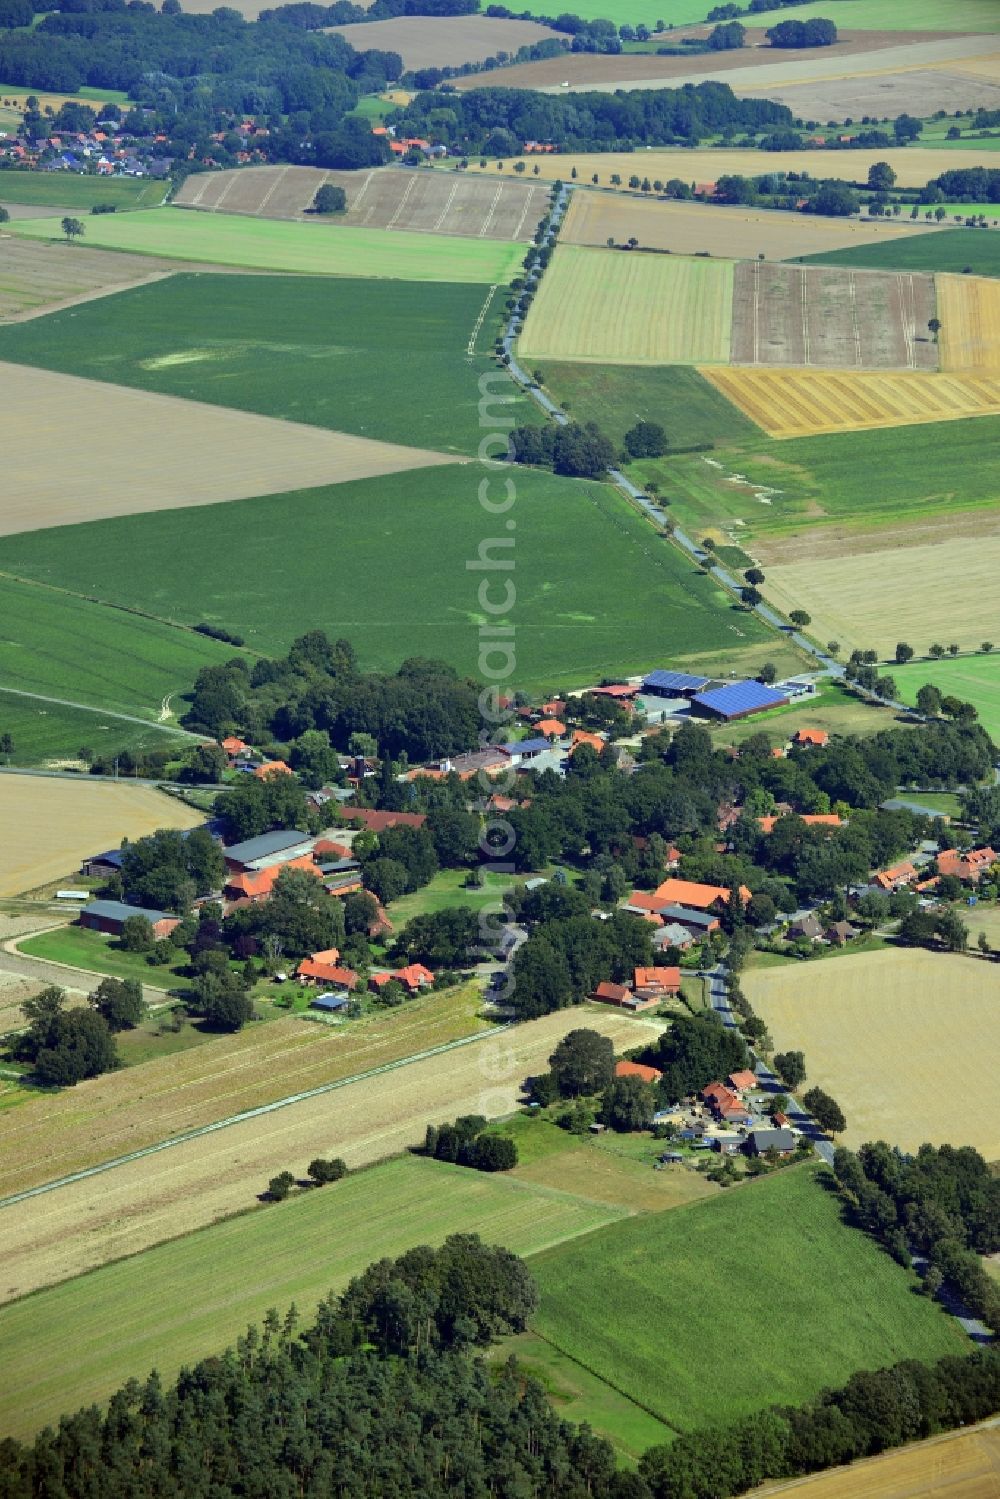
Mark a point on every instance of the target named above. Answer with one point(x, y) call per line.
point(637, 1304)
point(49, 825)
point(905, 1040)
point(42, 276)
point(975, 679)
point(159, 1196)
point(620, 308)
point(292, 347)
point(759, 70)
point(314, 249)
point(159, 453)
point(914, 165)
point(444, 41)
point(689, 228)
point(969, 309)
point(416, 199)
point(956, 1465)
point(800, 403)
point(832, 319)
point(894, 589)
point(187, 1299)
point(886, 95)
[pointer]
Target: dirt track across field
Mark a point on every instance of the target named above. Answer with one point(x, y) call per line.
point(47, 825)
point(383, 198)
point(445, 41)
point(690, 228)
point(159, 452)
point(77, 1227)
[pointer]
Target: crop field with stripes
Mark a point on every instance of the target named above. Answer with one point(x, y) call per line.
point(969, 309)
point(418, 200)
point(803, 402)
point(613, 307)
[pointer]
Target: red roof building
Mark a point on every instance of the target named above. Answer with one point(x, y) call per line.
point(817, 738)
point(661, 982)
point(896, 877)
point(676, 892)
point(968, 866)
point(323, 968)
point(377, 822)
point(612, 994)
point(637, 1069)
point(256, 885)
point(413, 978)
point(740, 1082)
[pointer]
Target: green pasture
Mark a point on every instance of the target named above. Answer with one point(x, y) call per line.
point(186, 1299)
point(831, 709)
point(974, 679)
point(922, 471)
point(761, 1295)
point(896, 15)
point(70, 190)
point(97, 953)
point(43, 731)
point(64, 646)
point(973, 250)
point(313, 249)
point(383, 359)
point(616, 396)
point(631, 12)
point(383, 562)
point(445, 891)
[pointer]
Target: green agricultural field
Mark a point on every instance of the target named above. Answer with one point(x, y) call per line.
point(183, 1300)
point(762, 1295)
point(898, 15)
point(64, 646)
point(307, 249)
point(617, 396)
point(597, 591)
point(64, 189)
point(44, 732)
point(446, 890)
point(974, 679)
point(384, 359)
point(97, 953)
point(634, 12)
point(975, 250)
point(922, 471)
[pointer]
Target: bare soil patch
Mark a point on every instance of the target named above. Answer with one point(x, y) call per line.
point(418, 200)
point(50, 825)
point(690, 228)
point(432, 42)
point(906, 1041)
point(829, 318)
point(159, 453)
point(77, 1227)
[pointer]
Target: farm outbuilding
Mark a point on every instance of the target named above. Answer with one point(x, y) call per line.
point(110, 916)
point(737, 700)
point(672, 684)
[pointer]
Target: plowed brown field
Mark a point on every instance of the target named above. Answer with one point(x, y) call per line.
point(969, 309)
point(161, 1196)
point(801, 403)
point(159, 452)
point(384, 198)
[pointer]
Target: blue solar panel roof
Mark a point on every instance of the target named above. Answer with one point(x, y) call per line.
point(739, 697)
point(674, 681)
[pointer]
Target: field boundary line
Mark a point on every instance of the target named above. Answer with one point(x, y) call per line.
point(268, 195)
point(855, 325)
point(491, 213)
point(364, 188)
point(225, 192)
point(402, 202)
point(639, 1405)
point(471, 348)
point(444, 212)
point(529, 199)
point(246, 1115)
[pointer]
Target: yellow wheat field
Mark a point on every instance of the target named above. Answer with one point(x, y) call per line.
point(802, 403)
point(969, 310)
point(617, 307)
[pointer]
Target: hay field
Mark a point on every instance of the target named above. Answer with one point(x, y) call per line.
point(443, 41)
point(157, 1197)
point(913, 165)
point(942, 589)
point(186, 1300)
point(832, 319)
point(907, 1041)
point(50, 825)
point(975, 679)
point(687, 228)
point(969, 309)
point(314, 249)
point(153, 452)
point(620, 308)
point(412, 199)
point(956, 1465)
point(802, 403)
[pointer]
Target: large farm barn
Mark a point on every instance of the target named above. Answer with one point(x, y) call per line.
point(383, 198)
